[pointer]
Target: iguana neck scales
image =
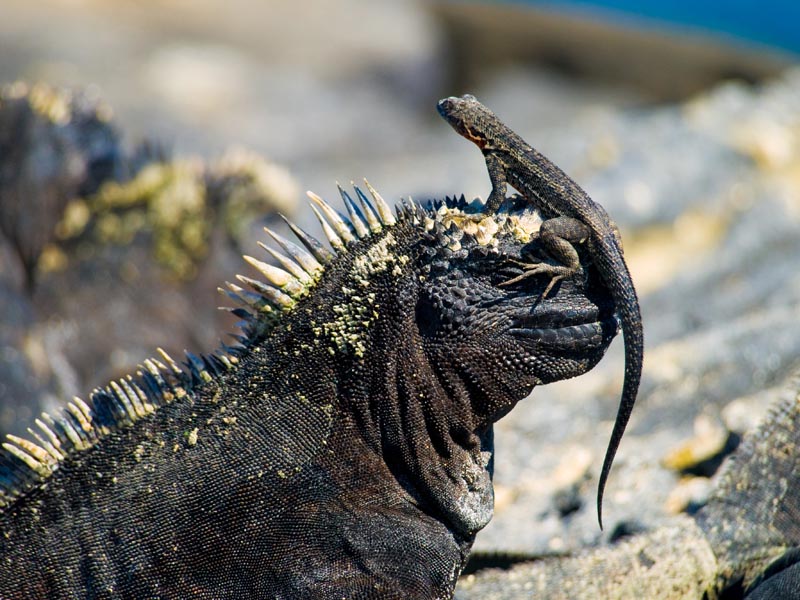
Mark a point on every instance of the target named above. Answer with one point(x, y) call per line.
point(342, 449)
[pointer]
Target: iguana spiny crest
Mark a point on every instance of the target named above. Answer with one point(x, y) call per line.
point(24, 464)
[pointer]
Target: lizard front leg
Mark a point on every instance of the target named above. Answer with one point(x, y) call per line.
point(558, 236)
point(497, 175)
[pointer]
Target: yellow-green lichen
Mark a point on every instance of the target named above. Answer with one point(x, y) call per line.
point(522, 225)
point(358, 312)
point(251, 186)
point(191, 438)
point(177, 204)
point(353, 319)
point(52, 103)
point(376, 259)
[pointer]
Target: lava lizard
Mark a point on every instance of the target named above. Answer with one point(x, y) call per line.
point(573, 217)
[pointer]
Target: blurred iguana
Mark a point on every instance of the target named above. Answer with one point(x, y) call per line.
point(55, 144)
point(744, 543)
point(343, 449)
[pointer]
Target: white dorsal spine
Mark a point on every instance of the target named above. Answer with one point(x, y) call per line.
point(332, 236)
point(312, 244)
point(288, 264)
point(335, 221)
point(370, 214)
point(356, 217)
point(305, 259)
point(79, 425)
point(384, 210)
point(281, 279)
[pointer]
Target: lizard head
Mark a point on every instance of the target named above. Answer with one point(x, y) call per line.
point(465, 115)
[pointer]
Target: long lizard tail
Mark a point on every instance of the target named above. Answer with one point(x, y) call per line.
point(628, 309)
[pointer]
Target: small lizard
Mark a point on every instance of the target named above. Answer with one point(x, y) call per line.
point(572, 218)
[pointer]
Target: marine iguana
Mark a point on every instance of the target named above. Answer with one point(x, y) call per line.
point(343, 448)
point(572, 217)
point(744, 543)
point(56, 144)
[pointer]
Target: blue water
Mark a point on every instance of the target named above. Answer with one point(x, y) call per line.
point(772, 23)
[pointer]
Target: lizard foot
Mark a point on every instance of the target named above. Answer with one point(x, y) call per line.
point(556, 272)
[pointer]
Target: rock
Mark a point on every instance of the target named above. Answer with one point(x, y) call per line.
point(702, 454)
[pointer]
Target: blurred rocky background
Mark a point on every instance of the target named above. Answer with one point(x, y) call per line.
point(143, 145)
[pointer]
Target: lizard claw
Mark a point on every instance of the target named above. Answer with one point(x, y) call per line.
point(556, 272)
point(553, 281)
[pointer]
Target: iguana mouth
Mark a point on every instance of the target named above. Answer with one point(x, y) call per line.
point(582, 329)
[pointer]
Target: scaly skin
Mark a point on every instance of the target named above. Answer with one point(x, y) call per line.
point(343, 450)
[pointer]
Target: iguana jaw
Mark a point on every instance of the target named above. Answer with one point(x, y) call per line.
point(585, 330)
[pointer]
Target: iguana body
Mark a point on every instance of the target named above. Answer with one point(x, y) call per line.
point(342, 450)
point(745, 543)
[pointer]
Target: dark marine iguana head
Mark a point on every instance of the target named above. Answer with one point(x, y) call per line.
point(405, 334)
